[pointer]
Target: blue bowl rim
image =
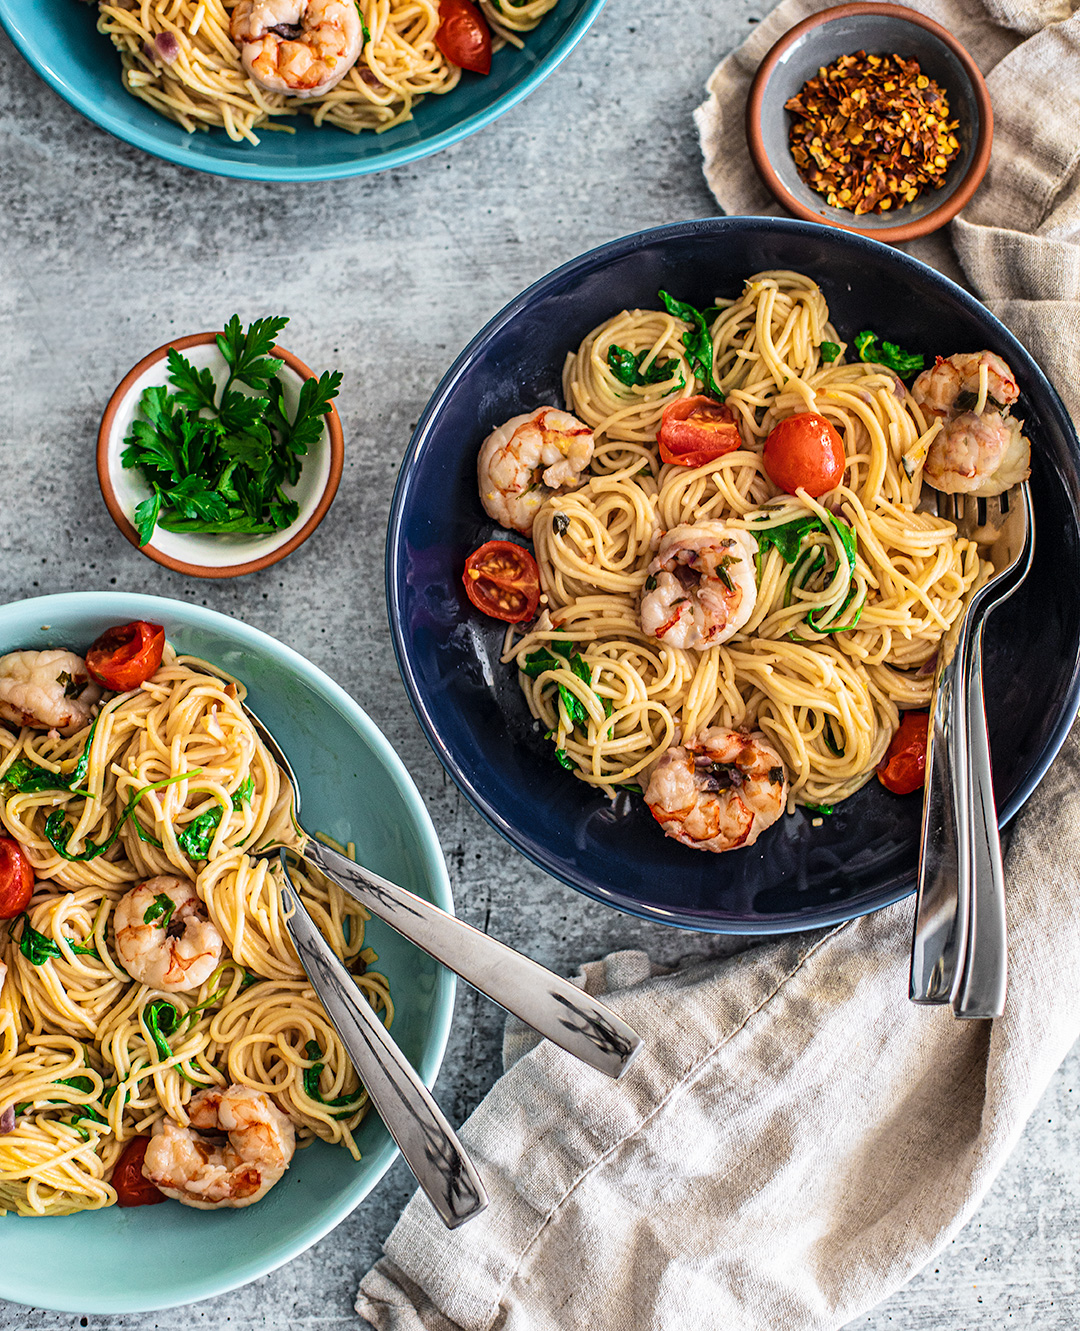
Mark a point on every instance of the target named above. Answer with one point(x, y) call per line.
point(122, 605)
point(242, 170)
point(586, 262)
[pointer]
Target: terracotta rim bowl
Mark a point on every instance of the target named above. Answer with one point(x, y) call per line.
point(959, 195)
point(108, 463)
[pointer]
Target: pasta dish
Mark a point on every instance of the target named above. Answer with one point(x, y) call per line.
point(245, 65)
point(151, 1003)
point(739, 586)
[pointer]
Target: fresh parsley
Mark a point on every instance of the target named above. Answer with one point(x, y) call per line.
point(903, 363)
point(697, 341)
point(218, 462)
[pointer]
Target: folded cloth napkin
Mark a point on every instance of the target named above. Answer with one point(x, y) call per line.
point(796, 1139)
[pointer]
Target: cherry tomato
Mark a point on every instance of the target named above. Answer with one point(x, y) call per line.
point(695, 430)
point(503, 581)
point(463, 36)
point(126, 656)
point(903, 769)
point(804, 452)
point(132, 1186)
point(16, 879)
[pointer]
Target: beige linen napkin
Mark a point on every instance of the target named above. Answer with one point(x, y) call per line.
point(796, 1139)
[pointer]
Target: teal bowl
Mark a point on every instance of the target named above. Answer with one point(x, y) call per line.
point(60, 39)
point(355, 788)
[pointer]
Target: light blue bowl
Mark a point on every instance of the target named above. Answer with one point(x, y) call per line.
point(355, 788)
point(60, 39)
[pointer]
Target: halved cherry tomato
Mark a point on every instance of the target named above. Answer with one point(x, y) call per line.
point(132, 1186)
point(126, 656)
point(695, 430)
point(804, 452)
point(903, 769)
point(463, 36)
point(503, 581)
point(16, 878)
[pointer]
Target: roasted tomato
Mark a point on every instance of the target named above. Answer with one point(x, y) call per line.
point(804, 452)
point(16, 878)
point(903, 769)
point(133, 1188)
point(695, 430)
point(503, 581)
point(126, 656)
point(463, 36)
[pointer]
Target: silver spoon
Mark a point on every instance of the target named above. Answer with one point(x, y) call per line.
point(554, 1007)
point(405, 1105)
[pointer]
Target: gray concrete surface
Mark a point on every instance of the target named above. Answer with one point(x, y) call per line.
point(107, 252)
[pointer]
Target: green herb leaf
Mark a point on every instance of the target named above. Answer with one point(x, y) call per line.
point(563, 759)
point(162, 1019)
point(58, 830)
point(195, 839)
point(35, 947)
point(631, 787)
point(787, 537)
point(310, 1080)
point(825, 809)
point(829, 351)
point(903, 363)
point(161, 908)
point(626, 367)
point(243, 793)
point(195, 388)
point(363, 26)
point(698, 343)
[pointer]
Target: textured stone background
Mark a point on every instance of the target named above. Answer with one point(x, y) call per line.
point(107, 252)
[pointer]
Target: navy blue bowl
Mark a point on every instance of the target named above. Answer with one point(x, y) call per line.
point(470, 706)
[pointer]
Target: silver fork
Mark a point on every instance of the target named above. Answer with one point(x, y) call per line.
point(559, 1010)
point(959, 946)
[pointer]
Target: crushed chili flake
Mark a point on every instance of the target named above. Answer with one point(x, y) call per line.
point(871, 132)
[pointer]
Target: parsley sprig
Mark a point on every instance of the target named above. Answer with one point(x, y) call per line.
point(218, 462)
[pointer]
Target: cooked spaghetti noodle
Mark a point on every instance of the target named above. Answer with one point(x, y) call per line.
point(88, 1057)
point(204, 84)
point(825, 662)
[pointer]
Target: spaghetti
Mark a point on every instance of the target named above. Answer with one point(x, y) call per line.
point(180, 58)
point(852, 599)
point(176, 782)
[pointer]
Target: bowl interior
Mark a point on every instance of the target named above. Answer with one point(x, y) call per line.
point(212, 551)
point(62, 43)
point(470, 705)
point(877, 34)
point(354, 787)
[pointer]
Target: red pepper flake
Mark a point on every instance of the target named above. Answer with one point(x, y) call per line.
point(871, 132)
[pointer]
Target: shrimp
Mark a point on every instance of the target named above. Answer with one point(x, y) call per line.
point(50, 690)
point(163, 936)
point(701, 586)
point(528, 459)
point(981, 448)
point(208, 1173)
point(938, 388)
point(719, 791)
point(300, 47)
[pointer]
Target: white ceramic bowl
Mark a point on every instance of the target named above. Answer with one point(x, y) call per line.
point(199, 554)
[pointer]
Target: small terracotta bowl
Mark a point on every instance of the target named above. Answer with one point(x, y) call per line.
point(203, 555)
point(879, 29)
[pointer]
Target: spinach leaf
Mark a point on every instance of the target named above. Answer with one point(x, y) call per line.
point(311, 1085)
point(829, 351)
point(787, 537)
point(35, 947)
point(825, 809)
point(58, 830)
point(195, 839)
point(162, 1019)
point(698, 343)
point(243, 793)
point(365, 31)
point(903, 363)
point(161, 908)
point(626, 367)
point(26, 778)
